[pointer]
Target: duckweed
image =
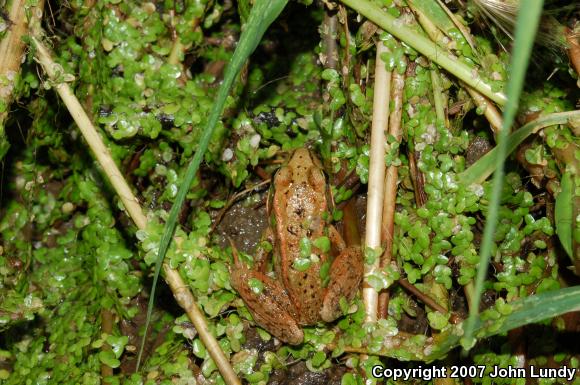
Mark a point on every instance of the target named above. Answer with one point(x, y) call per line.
point(148, 73)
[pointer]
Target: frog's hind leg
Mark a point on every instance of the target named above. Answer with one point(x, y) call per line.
point(263, 254)
point(268, 303)
point(346, 274)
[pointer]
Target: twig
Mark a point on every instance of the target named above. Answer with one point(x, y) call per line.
point(345, 68)
point(182, 294)
point(376, 175)
point(491, 113)
point(232, 200)
point(106, 327)
point(329, 30)
point(417, 177)
point(55, 72)
point(388, 223)
point(425, 298)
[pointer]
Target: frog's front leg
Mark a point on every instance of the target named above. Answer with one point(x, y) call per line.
point(268, 303)
point(346, 273)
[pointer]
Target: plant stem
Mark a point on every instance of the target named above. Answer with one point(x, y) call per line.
point(425, 298)
point(11, 53)
point(438, 97)
point(107, 328)
point(491, 113)
point(179, 288)
point(376, 174)
point(390, 198)
point(426, 47)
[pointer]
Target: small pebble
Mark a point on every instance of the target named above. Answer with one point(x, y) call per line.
point(227, 155)
point(255, 141)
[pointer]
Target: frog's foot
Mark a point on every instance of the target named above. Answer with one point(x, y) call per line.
point(346, 274)
point(268, 303)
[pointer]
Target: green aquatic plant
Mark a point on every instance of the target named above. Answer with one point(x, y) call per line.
point(149, 74)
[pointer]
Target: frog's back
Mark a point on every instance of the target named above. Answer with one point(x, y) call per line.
point(299, 210)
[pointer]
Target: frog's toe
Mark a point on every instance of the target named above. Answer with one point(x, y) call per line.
point(293, 336)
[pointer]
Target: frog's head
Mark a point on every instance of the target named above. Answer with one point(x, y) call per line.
point(304, 168)
point(302, 157)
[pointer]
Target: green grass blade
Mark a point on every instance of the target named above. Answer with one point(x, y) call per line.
point(563, 213)
point(525, 311)
point(262, 14)
point(486, 165)
point(526, 26)
point(535, 309)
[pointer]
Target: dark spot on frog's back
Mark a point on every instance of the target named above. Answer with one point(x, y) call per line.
point(292, 229)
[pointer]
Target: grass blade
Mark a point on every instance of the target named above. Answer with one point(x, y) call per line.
point(525, 311)
point(526, 27)
point(262, 14)
point(564, 212)
point(486, 165)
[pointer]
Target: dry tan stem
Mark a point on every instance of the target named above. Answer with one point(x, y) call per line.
point(187, 302)
point(95, 142)
point(425, 298)
point(180, 291)
point(490, 111)
point(376, 175)
point(12, 49)
point(388, 222)
point(329, 31)
point(176, 51)
point(106, 327)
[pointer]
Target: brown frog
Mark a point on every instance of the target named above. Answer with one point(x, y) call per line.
point(307, 288)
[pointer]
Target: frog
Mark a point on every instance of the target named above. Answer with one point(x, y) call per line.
point(299, 294)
